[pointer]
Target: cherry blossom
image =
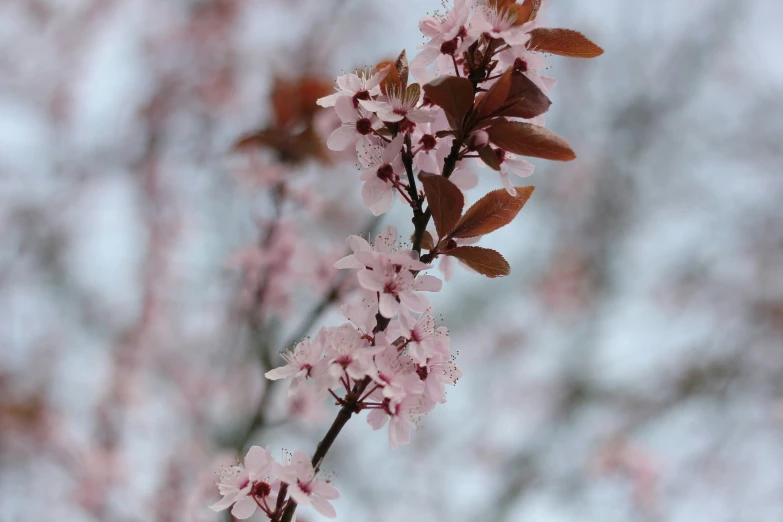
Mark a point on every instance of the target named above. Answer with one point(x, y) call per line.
point(239, 484)
point(401, 417)
point(499, 23)
point(423, 338)
point(397, 375)
point(380, 171)
point(306, 488)
point(347, 352)
point(529, 63)
point(399, 105)
point(356, 127)
point(438, 371)
point(301, 360)
point(355, 87)
point(511, 163)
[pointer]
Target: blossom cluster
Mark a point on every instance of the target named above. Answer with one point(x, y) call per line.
point(258, 483)
point(401, 369)
point(480, 97)
point(368, 103)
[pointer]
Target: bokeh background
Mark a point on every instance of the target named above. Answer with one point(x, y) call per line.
point(630, 368)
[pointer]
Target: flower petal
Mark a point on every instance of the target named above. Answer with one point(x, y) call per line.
point(244, 508)
point(341, 138)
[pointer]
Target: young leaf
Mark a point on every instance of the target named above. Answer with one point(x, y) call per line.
point(527, 11)
point(527, 139)
point(525, 99)
point(488, 156)
point(563, 42)
point(491, 212)
point(495, 97)
point(453, 95)
point(392, 80)
point(483, 260)
point(401, 64)
point(445, 200)
point(427, 243)
point(413, 92)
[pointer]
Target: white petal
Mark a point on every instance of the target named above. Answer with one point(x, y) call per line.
point(389, 115)
point(331, 100)
point(244, 508)
point(465, 179)
point(388, 306)
point(345, 110)
point(374, 106)
point(281, 373)
point(256, 460)
point(392, 150)
point(506, 182)
point(420, 116)
point(377, 418)
point(324, 507)
point(348, 262)
point(428, 283)
point(342, 136)
point(223, 503)
point(520, 167)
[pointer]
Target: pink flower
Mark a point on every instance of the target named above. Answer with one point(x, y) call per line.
point(356, 127)
point(380, 170)
point(398, 106)
point(446, 26)
point(436, 373)
point(529, 63)
point(389, 273)
point(306, 488)
point(239, 484)
point(401, 417)
point(512, 163)
point(397, 374)
point(396, 285)
point(301, 360)
point(355, 87)
point(499, 24)
point(346, 352)
point(422, 338)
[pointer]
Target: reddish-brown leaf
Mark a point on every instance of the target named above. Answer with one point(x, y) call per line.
point(495, 97)
point(493, 211)
point(483, 260)
point(427, 243)
point(527, 11)
point(392, 80)
point(527, 139)
point(445, 201)
point(563, 42)
point(525, 99)
point(401, 64)
point(488, 156)
point(453, 95)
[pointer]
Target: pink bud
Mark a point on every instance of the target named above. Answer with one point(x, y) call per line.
point(478, 139)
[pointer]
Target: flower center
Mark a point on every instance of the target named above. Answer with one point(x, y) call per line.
point(428, 141)
point(385, 172)
point(422, 371)
point(360, 95)
point(261, 489)
point(364, 126)
point(520, 65)
point(449, 47)
point(306, 487)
